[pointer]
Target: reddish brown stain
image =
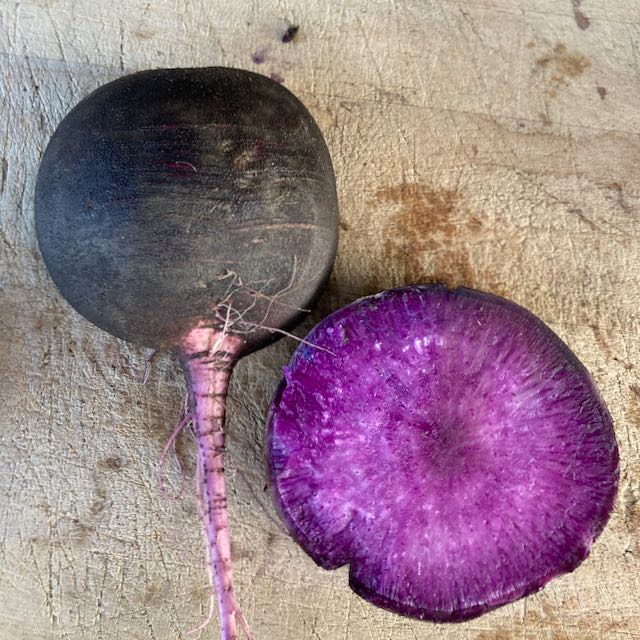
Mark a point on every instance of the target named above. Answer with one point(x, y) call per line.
point(474, 151)
point(602, 92)
point(582, 20)
point(531, 44)
point(616, 187)
point(627, 365)
point(144, 35)
point(545, 119)
point(51, 318)
point(630, 507)
point(600, 339)
point(344, 226)
point(428, 225)
point(99, 501)
point(81, 532)
point(498, 634)
point(113, 463)
point(560, 65)
point(384, 95)
point(552, 619)
point(238, 553)
point(150, 594)
point(633, 410)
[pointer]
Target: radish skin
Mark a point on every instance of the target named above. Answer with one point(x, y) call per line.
point(176, 209)
point(208, 357)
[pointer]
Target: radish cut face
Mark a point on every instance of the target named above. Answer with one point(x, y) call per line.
point(451, 449)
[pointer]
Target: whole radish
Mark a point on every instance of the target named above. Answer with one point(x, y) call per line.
point(192, 210)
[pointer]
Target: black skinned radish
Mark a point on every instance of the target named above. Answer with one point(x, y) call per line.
point(447, 446)
point(192, 210)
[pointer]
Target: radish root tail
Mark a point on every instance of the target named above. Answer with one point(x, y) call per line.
point(208, 357)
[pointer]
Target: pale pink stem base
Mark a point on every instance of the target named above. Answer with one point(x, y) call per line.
point(207, 357)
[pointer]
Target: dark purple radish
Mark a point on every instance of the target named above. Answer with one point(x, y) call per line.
point(193, 210)
point(453, 451)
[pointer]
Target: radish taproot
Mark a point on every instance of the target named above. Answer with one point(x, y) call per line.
point(193, 210)
point(453, 451)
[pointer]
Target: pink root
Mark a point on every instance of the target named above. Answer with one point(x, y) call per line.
point(183, 421)
point(205, 532)
point(207, 357)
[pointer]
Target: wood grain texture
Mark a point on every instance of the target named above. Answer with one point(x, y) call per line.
point(492, 143)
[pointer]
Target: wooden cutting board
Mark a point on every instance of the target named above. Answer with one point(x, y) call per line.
point(491, 143)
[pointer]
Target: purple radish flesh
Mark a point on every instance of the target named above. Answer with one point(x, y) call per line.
point(193, 210)
point(453, 451)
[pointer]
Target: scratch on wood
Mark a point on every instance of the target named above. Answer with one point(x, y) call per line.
point(121, 23)
point(4, 168)
point(578, 212)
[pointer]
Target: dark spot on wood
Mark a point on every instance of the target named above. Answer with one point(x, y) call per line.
point(99, 501)
point(602, 92)
point(144, 35)
point(113, 463)
point(81, 532)
point(474, 151)
point(622, 202)
point(344, 226)
point(150, 594)
point(545, 119)
point(383, 95)
point(276, 77)
point(271, 539)
point(581, 18)
point(290, 34)
point(238, 553)
point(627, 365)
point(259, 56)
point(531, 44)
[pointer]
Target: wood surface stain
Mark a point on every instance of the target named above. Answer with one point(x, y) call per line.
point(560, 65)
point(497, 634)
point(427, 232)
point(582, 20)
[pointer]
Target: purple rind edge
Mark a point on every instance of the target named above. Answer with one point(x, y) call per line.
point(468, 613)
